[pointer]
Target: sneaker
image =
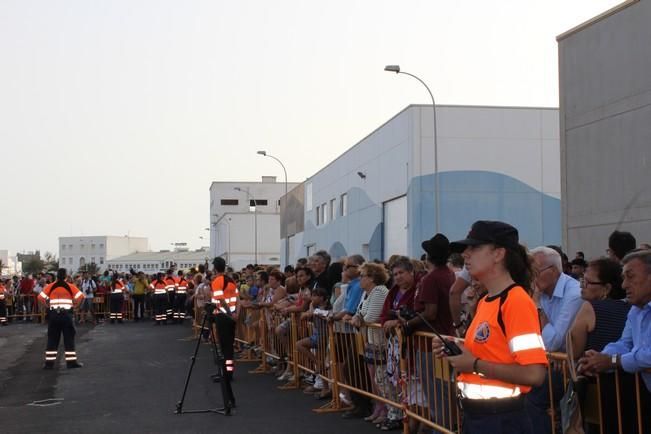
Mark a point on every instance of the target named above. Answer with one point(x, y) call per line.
point(345, 399)
point(285, 376)
point(318, 383)
point(291, 378)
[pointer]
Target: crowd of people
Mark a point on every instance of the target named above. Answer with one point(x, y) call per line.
point(512, 305)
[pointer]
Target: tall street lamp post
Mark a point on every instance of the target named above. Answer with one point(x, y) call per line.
point(264, 154)
point(255, 219)
point(396, 69)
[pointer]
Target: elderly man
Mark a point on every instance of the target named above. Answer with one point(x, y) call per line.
point(632, 352)
point(319, 263)
point(559, 298)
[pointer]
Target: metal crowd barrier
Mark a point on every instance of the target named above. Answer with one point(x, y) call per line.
point(25, 306)
point(400, 372)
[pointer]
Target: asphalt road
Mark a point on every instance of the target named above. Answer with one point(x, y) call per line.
point(132, 379)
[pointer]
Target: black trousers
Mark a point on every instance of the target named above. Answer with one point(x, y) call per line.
point(179, 306)
point(169, 309)
point(138, 306)
point(60, 323)
point(226, 334)
point(115, 306)
point(3, 311)
point(160, 304)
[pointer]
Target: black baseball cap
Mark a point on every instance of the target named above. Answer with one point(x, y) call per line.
point(488, 232)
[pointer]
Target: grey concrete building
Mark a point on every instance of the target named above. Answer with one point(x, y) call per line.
point(605, 127)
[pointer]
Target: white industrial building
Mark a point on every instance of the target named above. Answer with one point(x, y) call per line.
point(154, 262)
point(605, 132)
point(377, 199)
point(245, 221)
point(74, 252)
point(10, 264)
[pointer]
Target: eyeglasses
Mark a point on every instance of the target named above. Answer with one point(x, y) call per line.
point(544, 269)
point(585, 283)
point(351, 266)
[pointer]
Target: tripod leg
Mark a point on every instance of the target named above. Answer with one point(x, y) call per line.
point(179, 405)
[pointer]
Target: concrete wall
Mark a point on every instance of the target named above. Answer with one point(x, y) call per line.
point(494, 163)
point(605, 112)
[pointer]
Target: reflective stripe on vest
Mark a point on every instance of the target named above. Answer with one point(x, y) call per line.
point(486, 391)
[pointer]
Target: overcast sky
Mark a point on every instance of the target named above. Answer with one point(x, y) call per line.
point(115, 116)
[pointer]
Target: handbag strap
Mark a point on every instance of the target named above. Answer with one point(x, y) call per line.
point(570, 355)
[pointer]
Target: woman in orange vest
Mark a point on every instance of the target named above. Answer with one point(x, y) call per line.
point(116, 298)
point(503, 355)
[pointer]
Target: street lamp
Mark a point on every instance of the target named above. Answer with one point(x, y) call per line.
point(396, 69)
point(264, 154)
point(255, 219)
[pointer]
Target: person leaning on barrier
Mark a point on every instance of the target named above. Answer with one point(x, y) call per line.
point(503, 355)
point(632, 352)
point(61, 297)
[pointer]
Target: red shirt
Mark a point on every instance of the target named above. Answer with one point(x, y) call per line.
point(27, 286)
point(392, 302)
point(434, 288)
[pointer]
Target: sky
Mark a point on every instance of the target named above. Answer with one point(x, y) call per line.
point(115, 116)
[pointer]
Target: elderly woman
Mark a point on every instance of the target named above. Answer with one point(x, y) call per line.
point(372, 280)
point(601, 320)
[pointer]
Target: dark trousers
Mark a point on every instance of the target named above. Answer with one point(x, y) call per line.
point(179, 306)
point(169, 309)
point(226, 334)
point(58, 324)
point(538, 402)
point(513, 422)
point(115, 306)
point(160, 304)
point(138, 306)
point(3, 311)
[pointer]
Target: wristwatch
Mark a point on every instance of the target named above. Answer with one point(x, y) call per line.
point(613, 360)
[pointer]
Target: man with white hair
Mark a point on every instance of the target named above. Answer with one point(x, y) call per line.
point(558, 297)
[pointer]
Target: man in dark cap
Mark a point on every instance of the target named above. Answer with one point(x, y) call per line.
point(432, 300)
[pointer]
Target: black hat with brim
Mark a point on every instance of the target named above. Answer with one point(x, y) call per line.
point(488, 232)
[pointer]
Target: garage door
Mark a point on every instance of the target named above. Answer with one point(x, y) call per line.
point(395, 227)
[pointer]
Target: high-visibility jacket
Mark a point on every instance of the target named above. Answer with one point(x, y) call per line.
point(3, 292)
point(60, 297)
point(505, 330)
point(159, 286)
point(181, 285)
point(119, 288)
point(224, 288)
point(171, 284)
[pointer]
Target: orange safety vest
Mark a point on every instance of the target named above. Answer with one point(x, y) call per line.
point(505, 330)
point(3, 291)
point(171, 283)
point(60, 297)
point(159, 286)
point(181, 286)
point(224, 288)
point(119, 288)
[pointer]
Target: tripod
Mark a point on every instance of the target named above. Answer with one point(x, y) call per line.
point(227, 391)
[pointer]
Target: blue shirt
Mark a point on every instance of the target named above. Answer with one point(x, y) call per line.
point(353, 296)
point(634, 347)
point(561, 309)
point(253, 292)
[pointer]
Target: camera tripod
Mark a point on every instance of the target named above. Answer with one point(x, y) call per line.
point(225, 383)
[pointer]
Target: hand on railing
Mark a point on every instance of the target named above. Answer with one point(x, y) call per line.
point(594, 362)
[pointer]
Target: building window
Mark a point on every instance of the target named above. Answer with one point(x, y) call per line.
point(229, 202)
point(332, 209)
point(343, 205)
point(63, 261)
point(92, 246)
point(101, 260)
point(101, 245)
point(82, 261)
point(258, 202)
point(92, 260)
point(324, 213)
point(63, 246)
point(81, 246)
point(318, 215)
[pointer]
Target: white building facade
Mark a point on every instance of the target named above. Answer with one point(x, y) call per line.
point(245, 221)
point(377, 199)
point(10, 264)
point(75, 252)
point(155, 262)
